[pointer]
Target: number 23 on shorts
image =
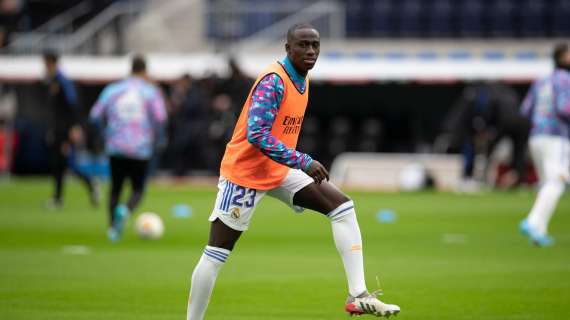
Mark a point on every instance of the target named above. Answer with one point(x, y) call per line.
point(243, 197)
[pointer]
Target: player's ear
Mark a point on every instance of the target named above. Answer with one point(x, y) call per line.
point(287, 47)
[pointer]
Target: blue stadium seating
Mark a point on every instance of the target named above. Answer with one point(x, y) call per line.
point(440, 19)
point(531, 18)
point(383, 18)
point(410, 14)
point(355, 19)
point(470, 15)
point(561, 18)
point(433, 18)
point(501, 15)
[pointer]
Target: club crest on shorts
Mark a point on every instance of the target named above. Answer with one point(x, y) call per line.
point(235, 213)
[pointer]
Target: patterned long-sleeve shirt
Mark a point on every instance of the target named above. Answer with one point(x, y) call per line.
point(133, 111)
point(547, 104)
point(561, 83)
point(266, 99)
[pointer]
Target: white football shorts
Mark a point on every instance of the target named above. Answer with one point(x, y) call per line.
point(551, 157)
point(235, 204)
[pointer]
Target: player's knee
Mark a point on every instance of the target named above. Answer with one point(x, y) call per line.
point(342, 199)
point(555, 187)
point(222, 236)
point(221, 243)
point(342, 211)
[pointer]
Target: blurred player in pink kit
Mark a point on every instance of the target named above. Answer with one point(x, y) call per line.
point(547, 105)
point(133, 113)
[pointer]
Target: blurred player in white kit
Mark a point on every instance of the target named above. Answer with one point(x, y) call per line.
point(547, 105)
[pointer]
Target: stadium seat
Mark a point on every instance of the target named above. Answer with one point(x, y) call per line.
point(257, 19)
point(339, 134)
point(531, 18)
point(382, 18)
point(370, 135)
point(356, 20)
point(410, 14)
point(501, 18)
point(470, 20)
point(560, 18)
point(440, 23)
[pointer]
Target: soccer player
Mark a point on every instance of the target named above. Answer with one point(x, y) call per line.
point(547, 105)
point(65, 131)
point(261, 159)
point(133, 113)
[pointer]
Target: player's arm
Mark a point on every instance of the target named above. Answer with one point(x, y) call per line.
point(70, 94)
point(527, 106)
point(562, 95)
point(266, 99)
point(97, 113)
point(158, 107)
point(159, 117)
point(68, 90)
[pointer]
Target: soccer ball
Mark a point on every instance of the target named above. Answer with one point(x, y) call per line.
point(149, 226)
point(413, 177)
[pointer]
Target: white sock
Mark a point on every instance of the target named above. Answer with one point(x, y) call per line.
point(203, 280)
point(346, 233)
point(544, 205)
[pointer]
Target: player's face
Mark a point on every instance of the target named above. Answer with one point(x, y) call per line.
point(303, 49)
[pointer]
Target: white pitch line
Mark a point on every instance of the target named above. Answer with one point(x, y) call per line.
point(454, 238)
point(76, 249)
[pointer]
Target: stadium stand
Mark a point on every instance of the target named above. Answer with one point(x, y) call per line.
point(399, 58)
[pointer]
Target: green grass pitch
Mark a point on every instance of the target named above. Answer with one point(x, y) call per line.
point(446, 257)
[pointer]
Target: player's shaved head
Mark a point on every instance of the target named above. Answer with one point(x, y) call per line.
point(302, 47)
point(298, 26)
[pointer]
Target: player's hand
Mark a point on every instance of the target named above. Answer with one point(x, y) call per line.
point(76, 134)
point(317, 171)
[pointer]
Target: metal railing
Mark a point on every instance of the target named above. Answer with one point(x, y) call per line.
point(61, 24)
point(59, 34)
point(113, 19)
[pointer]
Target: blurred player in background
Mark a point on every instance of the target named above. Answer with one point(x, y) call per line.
point(133, 113)
point(65, 132)
point(261, 159)
point(547, 105)
point(484, 114)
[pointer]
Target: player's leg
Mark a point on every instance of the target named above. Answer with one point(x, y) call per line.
point(221, 242)
point(327, 199)
point(550, 156)
point(58, 164)
point(520, 144)
point(137, 175)
point(118, 169)
point(222, 236)
point(87, 180)
point(231, 215)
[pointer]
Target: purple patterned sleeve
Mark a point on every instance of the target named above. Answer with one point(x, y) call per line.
point(157, 107)
point(97, 112)
point(562, 94)
point(528, 103)
point(266, 99)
